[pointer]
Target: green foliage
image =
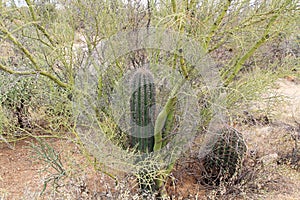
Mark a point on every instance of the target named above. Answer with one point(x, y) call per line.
point(47, 12)
point(147, 176)
point(42, 41)
point(15, 97)
point(3, 120)
point(17, 92)
point(142, 107)
point(43, 151)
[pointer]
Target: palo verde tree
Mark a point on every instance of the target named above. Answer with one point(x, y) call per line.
point(48, 49)
point(55, 42)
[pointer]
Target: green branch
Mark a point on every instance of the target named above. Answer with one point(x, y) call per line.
point(20, 46)
point(10, 71)
point(181, 29)
point(32, 60)
point(38, 26)
point(163, 116)
point(160, 123)
point(237, 66)
point(217, 23)
point(43, 73)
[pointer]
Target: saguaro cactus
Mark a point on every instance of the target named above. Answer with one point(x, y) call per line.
point(142, 107)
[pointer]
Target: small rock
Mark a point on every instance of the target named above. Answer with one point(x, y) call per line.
point(269, 159)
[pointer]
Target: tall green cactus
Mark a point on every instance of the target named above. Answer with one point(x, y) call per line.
point(142, 107)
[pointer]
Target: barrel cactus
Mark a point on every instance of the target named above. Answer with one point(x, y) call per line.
point(225, 157)
point(142, 108)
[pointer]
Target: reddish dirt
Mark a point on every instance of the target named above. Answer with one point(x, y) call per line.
point(17, 171)
point(21, 176)
point(185, 180)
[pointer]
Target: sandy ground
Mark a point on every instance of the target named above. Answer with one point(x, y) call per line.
point(274, 142)
point(21, 176)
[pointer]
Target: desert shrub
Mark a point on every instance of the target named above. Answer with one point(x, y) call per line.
point(15, 98)
point(31, 104)
point(246, 38)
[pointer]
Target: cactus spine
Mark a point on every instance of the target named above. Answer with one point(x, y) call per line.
point(225, 158)
point(142, 107)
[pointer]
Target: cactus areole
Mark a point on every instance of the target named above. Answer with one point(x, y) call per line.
point(142, 108)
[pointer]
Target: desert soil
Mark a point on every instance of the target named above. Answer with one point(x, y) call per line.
point(22, 176)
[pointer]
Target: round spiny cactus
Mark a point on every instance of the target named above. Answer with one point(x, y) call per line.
point(225, 157)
